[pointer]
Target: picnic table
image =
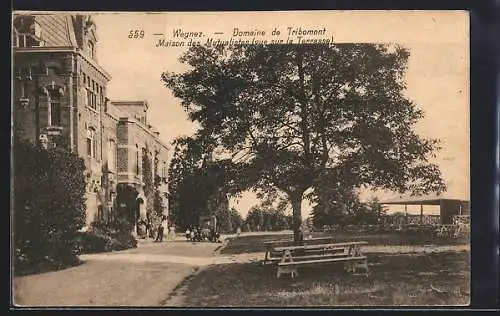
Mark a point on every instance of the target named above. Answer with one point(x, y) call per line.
point(347, 252)
point(273, 255)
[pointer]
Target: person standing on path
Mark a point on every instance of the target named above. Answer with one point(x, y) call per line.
point(161, 229)
point(171, 232)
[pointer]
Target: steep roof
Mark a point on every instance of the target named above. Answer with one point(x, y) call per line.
point(57, 29)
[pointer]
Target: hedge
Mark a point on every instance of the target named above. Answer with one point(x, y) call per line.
point(49, 207)
point(107, 236)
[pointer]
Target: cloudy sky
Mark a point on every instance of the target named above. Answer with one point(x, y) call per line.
point(437, 73)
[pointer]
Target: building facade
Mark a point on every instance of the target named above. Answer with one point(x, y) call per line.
point(138, 141)
point(60, 99)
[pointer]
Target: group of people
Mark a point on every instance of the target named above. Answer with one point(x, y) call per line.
point(196, 233)
point(146, 229)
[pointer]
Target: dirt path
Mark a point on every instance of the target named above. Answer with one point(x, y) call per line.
point(144, 276)
point(101, 283)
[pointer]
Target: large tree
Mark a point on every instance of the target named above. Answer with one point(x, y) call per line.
point(198, 185)
point(335, 205)
point(295, 117)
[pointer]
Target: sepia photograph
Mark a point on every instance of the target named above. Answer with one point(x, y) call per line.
point(240, 159)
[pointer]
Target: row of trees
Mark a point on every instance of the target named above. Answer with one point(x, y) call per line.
point(265, 218)
point(349, 211)
point(200, 186)
point(302, 118)
point(352, 212)
point(229, 220)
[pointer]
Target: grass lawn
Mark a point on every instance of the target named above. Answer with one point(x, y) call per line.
point(411, 280)
point(255, 243)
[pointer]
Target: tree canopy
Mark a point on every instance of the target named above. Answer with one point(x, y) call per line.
point(198, 185)
point(266, 217)
point(295, 117)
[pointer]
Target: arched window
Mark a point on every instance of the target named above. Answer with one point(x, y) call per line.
point(91, 142)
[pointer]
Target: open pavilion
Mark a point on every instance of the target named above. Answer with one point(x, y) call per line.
point(448, 206)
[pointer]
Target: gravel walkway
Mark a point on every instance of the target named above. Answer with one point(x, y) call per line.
point(144, 276)
point(101, 283)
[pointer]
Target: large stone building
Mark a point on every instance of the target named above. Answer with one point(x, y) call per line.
point(60, 99)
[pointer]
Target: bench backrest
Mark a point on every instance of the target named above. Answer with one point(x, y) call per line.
point(289, 243)
point(322, 246)
point(272, 242)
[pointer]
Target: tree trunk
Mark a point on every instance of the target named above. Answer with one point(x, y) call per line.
point(298, 237)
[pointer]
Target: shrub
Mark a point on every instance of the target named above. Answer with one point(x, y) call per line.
point(89, 242)
point(49, 206)
point(105, 236)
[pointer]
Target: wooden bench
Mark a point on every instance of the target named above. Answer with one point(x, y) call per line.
point(351, 248)
point(351, 264)
point(351, 256)
point(274, 253)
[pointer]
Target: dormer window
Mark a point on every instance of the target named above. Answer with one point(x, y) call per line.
point(28, 32)
point(140, 118)
point(36, 29)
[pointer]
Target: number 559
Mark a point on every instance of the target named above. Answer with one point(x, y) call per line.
point(136, 34)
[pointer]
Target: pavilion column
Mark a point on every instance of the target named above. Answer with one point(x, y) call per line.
point(441, 213)
point(421, 214)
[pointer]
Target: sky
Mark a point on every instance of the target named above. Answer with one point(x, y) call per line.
point(437, 74)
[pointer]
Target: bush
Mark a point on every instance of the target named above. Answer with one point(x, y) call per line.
point(89, 242)
point(49, 207)
point(107, 236)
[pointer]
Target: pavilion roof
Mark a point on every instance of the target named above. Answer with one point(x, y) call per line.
point(431, 199)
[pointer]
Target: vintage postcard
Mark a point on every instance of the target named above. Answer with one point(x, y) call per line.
point(240, 159)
